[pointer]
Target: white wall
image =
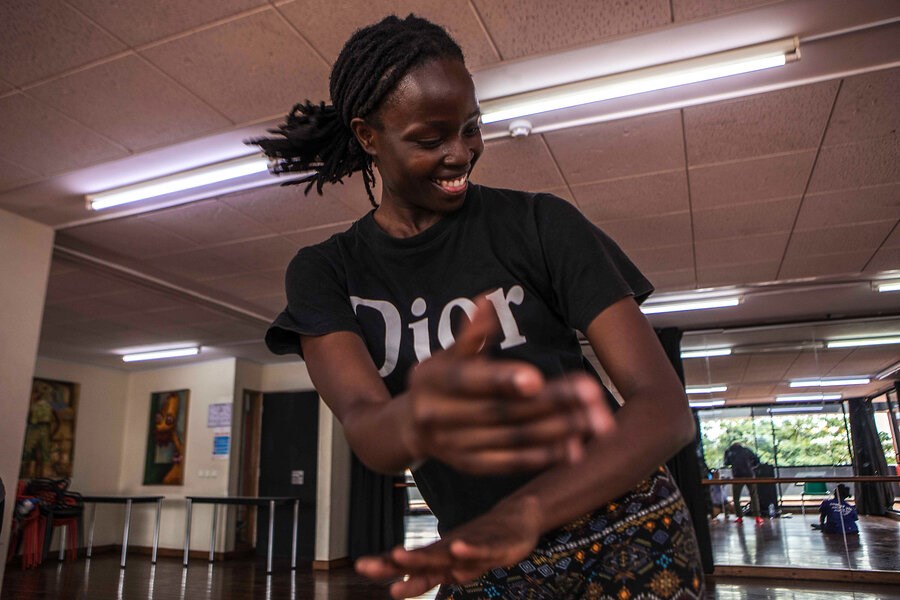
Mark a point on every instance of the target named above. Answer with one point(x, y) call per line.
point(25, 251)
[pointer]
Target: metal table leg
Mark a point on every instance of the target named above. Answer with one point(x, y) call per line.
point(212, 534)
point(125, 533)
point(156, 531)
point(271, 532)
point(91, 534)
point(63, 537)
point(187, 531)
point(294, 537)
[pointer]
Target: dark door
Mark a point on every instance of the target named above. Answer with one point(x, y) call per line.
point(288, 451)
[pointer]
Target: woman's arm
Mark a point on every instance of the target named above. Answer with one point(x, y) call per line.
point(477, 415)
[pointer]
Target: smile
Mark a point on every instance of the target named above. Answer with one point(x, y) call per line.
point(453, 186)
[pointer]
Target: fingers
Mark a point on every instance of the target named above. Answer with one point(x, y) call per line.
point(474, 334)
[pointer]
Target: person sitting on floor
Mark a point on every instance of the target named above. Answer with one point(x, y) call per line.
point(836, 515)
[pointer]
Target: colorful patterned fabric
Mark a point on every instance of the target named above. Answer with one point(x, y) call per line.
point(638, 547)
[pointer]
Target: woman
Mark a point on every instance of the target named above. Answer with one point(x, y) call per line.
point(439, 329)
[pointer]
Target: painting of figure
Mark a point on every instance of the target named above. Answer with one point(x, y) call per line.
point(50, 430)
point(164, 464)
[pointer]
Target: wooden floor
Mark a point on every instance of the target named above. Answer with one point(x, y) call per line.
point(101, 578)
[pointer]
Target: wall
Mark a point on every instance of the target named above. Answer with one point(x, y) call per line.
point(25, 251)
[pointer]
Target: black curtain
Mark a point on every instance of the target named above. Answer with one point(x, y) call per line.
point(868, 459)
point(377, 508)
point(685, 466)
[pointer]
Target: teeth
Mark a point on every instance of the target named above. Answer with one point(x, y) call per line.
point(452, 183)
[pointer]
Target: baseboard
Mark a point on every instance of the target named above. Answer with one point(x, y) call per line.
point(334, 563)
point(724, 572)
point(168, 552)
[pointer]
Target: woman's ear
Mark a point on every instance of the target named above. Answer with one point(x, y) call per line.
point(364, 133)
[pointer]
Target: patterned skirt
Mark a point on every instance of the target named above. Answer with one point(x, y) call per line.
point(638, 547)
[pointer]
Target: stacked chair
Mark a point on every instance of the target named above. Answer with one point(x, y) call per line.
point(41, 505)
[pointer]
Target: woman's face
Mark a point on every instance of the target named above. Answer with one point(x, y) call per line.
point(426, 138)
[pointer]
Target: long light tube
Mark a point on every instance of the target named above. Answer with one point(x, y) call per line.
point(799, 383)
point(797, 409)
point(705, 352)
point(692, 70)
point(173, 353)
point(177, 182)
point(707, 403)
point(807, 397)
point(709, 389)
point(700, 304)
point(857, 342)
point(889, 371)
point(888, 286)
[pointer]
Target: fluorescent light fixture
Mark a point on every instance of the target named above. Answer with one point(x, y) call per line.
point(709, 389)
point(798, 383)
point(178, 182)
point(707, 403)
point(887, 286)
point(889, 371)
point(807, 397)
point(157, 354)
point(796, 409)
point(705, 352)
point(657, 77)
point(652, 308)
point(856, 342)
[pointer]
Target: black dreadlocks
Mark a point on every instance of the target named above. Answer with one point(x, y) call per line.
point(318, 137)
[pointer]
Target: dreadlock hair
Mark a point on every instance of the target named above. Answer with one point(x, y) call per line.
point(317, 137)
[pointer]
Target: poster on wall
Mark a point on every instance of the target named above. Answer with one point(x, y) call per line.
point(50, 430)
point(164, 463)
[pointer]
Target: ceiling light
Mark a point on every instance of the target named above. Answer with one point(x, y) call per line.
point(828, 382)
point(808, 397)
point(797, 409)
point(889, 371)
point(704, 352)
point(174, 352)
point(178, 182)
point(707, 403)
point(853, 343)
point(647, 79)
point(652, 308)
point(710, 389)
point(887, 286)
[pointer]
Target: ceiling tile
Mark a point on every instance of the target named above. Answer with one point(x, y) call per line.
point(529, 27)
point(757, 272)
point(633, 197)
point(309, 237)
point(670, 258)
point(41, 139)
point(815, 363)
point(893, 240)
point(248, 69)
point(42, 38)
point(635, 146)
point(752, 180)
point(271, 305)
point(867, 361)
point(205, 263)
point(131, 102)
point(519, 164)
point(851, 166)
point(289, 208)
point(752, 391)
point(745, 220)
point(798, 265)
point(788, 120)
point(328, 24)
point(832, 209)
point(5, 87)
point(767, 367)
point(251, 285)
point(134, 237)
point(80, 283)
point(747, 249)
point(717, 369)
point(256, 255)
point(206, 223)
point(138, 21)
point(845, 239)
point(13, 175)
point(686, 10)
point(669, 281)
point(650, 232)
point(866, 108)
point(886, 259)
point(563, 193)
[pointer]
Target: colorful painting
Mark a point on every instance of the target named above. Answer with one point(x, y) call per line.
point(164, 464)
point(50, 431)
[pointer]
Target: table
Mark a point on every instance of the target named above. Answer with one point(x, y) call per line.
point(271, 501)
point(128, 501)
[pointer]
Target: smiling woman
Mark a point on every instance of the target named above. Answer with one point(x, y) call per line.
point(440, 329)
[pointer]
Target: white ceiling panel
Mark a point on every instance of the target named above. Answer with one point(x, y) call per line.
point(634, 197)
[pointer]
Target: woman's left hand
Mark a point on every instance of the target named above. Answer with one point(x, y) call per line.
point(503, 536)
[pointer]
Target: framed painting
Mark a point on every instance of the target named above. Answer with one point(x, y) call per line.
point(50, 431)
point(166, 438)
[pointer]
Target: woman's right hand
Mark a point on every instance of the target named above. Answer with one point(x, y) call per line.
point(486, 416)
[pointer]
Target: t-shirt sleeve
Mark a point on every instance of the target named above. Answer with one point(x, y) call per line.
point(588, 270)
point(317, 302)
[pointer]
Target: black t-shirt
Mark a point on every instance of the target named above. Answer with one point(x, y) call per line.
point(547, 270)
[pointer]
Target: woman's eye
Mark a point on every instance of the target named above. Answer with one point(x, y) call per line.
point(432, 143)
point(473, 129)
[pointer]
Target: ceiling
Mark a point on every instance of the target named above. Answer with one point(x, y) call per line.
point(782, 185)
